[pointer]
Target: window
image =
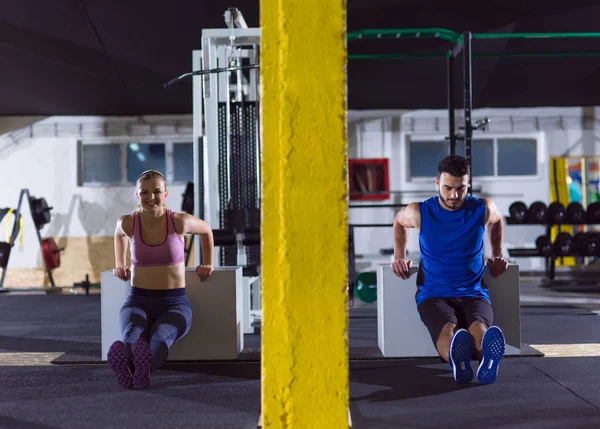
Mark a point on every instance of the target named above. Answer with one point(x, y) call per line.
point(490, 157)
point(482, 157)
point(424, 157)
point(142, 157)
point(183, 162)
point(517, 157)
point(121, 163)
point(101, 163)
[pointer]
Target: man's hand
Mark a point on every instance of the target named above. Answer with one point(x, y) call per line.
point(401, 267)
point(497, 265)
point(203, 271)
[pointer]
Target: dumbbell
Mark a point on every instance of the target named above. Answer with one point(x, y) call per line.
point(537, 213)
point(593, 213)
point(544, 245)
point(576, 213)
point(563, 244)
point(587, 243)
point(518, 212)
point(557, 213)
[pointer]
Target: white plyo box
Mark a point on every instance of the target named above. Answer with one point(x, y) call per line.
point(217, 307)
point(400, 331)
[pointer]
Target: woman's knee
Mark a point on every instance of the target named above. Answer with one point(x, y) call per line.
point(133, 325)
point(170, 332)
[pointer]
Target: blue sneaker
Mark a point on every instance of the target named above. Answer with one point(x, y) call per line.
point(492, 347)
point(459, 358)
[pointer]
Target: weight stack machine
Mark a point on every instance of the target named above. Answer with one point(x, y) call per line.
point(227, 136)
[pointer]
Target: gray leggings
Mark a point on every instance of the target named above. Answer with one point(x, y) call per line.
point(161, 317)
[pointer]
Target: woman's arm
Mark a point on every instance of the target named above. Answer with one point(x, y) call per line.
point(121, 242)
point(193, 225)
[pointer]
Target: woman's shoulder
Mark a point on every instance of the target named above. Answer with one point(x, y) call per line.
point(178, 215)
point(127, 218)
point(126, 223)
point(179, 221)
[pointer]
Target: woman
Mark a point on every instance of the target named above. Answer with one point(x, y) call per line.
point(157, 312)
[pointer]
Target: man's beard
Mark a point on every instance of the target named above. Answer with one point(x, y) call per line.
point(451, 207)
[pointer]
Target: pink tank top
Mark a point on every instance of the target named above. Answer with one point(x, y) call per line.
point(169, 252)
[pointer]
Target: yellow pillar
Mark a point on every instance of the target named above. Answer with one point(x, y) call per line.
point(304, 214)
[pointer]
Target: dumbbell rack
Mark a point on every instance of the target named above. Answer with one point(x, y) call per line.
point(534, 252)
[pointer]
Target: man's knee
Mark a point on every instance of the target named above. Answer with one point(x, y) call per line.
point(478, 325)
point(479, 310)
point(446, 332)
point(448, 329)
point(438, 316)
point(443, 340)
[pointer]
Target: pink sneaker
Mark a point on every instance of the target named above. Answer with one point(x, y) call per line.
point(119, 362)
point(142, 362)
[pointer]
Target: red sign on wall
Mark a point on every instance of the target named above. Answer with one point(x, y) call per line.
point(369, 179)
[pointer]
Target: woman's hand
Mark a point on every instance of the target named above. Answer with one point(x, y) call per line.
point(124, 273)
point(204, 271)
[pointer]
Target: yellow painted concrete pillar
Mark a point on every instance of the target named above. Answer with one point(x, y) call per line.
point(304, 214)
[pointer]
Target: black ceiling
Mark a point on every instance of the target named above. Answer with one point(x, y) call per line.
point(109, 57)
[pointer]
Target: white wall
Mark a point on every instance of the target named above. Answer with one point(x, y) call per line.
point(48, 167)
point(43, 158)
point(385, 135)
point(374, 138)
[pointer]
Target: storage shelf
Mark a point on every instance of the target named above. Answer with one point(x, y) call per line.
point(535, 253)
point(509, 221)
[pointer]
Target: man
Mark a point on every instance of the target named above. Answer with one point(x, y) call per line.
point(452, 303)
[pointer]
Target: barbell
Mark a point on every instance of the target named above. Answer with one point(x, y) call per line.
point(51, 253)
point(40, 211)
point(4, 253)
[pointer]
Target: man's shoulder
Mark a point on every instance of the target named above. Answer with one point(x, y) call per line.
point(476, 201)
point(416, 205)
point(428, 201)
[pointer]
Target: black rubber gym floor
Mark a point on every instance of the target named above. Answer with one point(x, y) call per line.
point(531, 392)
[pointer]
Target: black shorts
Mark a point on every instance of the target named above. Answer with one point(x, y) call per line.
point(436, 312)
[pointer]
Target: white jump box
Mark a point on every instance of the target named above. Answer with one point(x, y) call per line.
point(400, 331)
point(217, 307)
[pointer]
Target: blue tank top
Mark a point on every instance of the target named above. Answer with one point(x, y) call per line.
point(451, 245)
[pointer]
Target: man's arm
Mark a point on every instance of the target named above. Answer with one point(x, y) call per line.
point(495, 227)
point(406, 218)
